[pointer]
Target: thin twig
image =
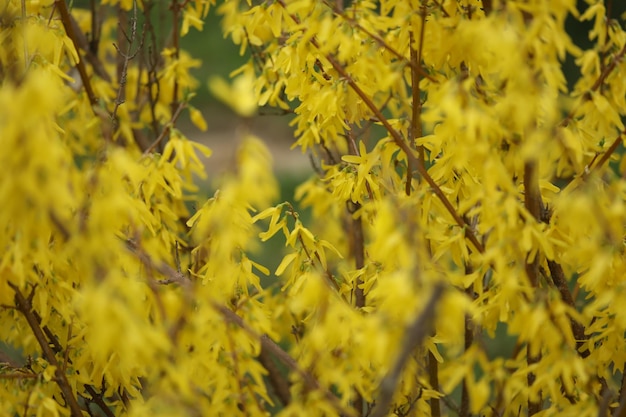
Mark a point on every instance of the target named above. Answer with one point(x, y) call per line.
point(441, 8)
point(609, 152)
point(175, 8)
point(166, 129)
point(126, 57)
point(560, 282)
point(24, 35)
point(153, 88)
point(97, 398)
point(238, 376)
point(380, 41)
point(359, 255)
point(620, 411)
point(80, 65)
point(416, 333)
point(18, 375)
point(327, 273)
point(617, 58)
point(90, 48)
point(171, 275)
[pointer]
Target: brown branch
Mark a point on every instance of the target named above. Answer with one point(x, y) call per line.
point(534, 205)
point(171, 275)
point(416, 107)
point(468, 343)
point(415, 335)
point(152, 65)
point(58, 223)
point(122, 70)
point(18, 375)
point(277, 381)
point(534, 407)
point(356, 231)
point(560, 282)
point(96, 30)
point(96, 398)
point(620, 411)
point(90, 55)
point(412, 159)
point(6, 359)
point(609, 69)
point(400, 142)
point(609, 152)
point(122, 42)
point(270, 346)
point(166, 129)
point(175, 8)
point(329, 276)
point(359, 255)
point(56, 347)
point(24, 306)
point(80, 65)
point(381, 42)
point(617, 58)
point(487, 6)
point(596, 85)
point(358, 252)
point(441, 8)
point(433, 380)
point(235, 364)
point(327, 273)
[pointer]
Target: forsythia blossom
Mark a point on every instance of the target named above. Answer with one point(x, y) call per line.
point(465, 250)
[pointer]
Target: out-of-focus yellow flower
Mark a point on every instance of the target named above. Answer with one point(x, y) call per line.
point(239, 96)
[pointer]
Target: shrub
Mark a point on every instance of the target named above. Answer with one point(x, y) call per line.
point(463, 189)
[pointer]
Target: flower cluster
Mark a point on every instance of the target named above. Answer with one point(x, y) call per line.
point(466, 196)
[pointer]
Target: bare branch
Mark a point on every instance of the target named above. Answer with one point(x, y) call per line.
point(126, 57)
point(166, 129)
